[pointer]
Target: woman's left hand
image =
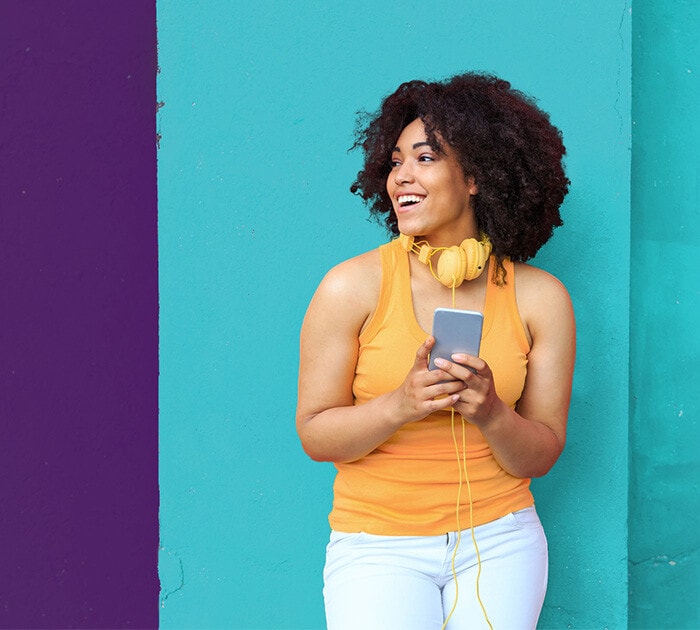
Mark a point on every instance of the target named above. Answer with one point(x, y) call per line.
point(478, 400)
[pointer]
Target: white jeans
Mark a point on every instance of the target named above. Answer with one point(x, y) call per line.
point(406, 583)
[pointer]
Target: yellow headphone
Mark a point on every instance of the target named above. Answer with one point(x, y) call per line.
point(455, 264)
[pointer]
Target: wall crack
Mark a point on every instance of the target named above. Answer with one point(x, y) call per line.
point(171, 564)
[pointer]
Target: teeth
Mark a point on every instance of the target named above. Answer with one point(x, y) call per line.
point(406, 199)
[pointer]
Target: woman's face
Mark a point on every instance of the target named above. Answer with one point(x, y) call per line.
point(428, 190)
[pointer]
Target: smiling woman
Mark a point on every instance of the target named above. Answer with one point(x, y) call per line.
point(430, 195)
point(469, 172)
point(499, 137)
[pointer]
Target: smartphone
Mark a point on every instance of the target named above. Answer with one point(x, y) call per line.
point(455, 331)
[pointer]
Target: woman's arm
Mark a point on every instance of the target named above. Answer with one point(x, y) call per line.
point(330, 426)
point(528, 441)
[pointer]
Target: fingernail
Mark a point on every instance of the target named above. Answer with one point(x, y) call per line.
point(440, 362)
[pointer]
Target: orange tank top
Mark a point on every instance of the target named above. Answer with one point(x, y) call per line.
point(408, 486)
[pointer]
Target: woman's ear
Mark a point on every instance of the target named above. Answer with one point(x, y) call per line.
point(473, 188)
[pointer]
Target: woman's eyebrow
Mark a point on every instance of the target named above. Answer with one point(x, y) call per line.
point(415, 146)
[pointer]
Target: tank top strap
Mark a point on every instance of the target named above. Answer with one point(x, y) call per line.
point(395, 299)
point(501, 307)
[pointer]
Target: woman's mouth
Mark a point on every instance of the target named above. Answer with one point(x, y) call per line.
point(407, 201)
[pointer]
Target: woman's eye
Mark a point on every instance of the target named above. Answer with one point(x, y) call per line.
point(394, 163)
point(426, 158)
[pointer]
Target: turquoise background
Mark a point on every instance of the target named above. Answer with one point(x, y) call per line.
point(664, 532)
point(258, 104)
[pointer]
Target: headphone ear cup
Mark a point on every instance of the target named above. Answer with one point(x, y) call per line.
point(452, 266)
point(476, 254)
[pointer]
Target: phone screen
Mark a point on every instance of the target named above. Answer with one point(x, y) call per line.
point(455, 331)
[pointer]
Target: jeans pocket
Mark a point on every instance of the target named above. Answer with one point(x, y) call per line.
point(339, 539)
point(526, 518)
point(342, 551)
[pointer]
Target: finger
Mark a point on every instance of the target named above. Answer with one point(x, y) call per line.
point(431, 377)
point(437, 404)
point(455, 370)
point(445, 388)
point(470, 361)
point(423, 352)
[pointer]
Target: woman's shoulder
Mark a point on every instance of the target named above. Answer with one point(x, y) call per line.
point(534, 280)
point(355, 274)
point(539, 294)
point(352, 287)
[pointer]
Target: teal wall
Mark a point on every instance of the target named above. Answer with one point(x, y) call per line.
point(664, 546)
point(258, 107)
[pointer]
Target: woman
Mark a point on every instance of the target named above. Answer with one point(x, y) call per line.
point(424, 454)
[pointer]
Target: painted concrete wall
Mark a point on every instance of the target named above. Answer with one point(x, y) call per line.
point(78, 315)
point(263, 160)
point(259, 103)
point(664, 548)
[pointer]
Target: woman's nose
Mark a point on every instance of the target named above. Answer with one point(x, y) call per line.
point(403, 174)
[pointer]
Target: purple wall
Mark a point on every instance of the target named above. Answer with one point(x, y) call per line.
point(78, 314)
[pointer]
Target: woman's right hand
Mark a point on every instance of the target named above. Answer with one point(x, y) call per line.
point(330, 425)
point(425, 391)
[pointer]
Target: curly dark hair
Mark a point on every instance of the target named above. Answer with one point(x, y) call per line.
point(499, 136)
